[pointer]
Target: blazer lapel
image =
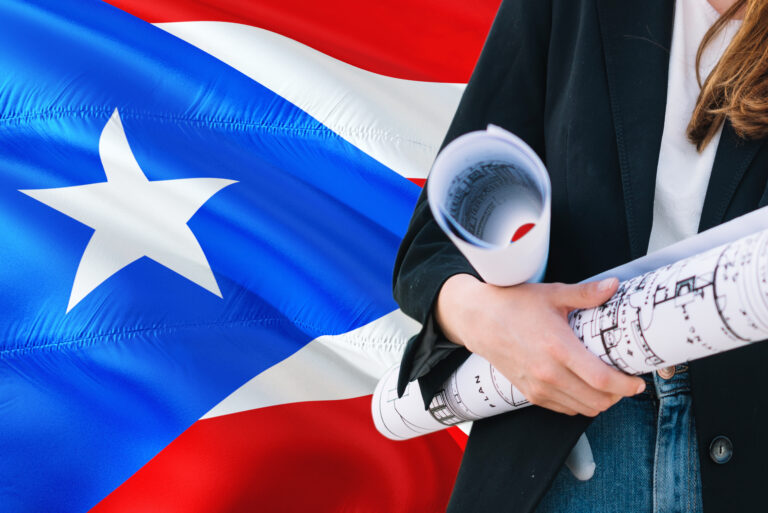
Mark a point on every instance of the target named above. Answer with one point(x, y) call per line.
point(636, 41)
point(733, 157)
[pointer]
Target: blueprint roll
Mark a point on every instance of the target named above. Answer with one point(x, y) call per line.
point(490, 193)
point(696, 307)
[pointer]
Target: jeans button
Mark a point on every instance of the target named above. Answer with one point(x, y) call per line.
point(666, 372)
point(721, 449)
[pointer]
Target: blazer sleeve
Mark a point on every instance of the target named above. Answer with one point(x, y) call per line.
point(507, 88)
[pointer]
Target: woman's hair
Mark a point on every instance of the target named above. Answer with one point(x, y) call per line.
point(737, 87)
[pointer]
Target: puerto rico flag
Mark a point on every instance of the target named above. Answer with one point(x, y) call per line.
point(200, 206)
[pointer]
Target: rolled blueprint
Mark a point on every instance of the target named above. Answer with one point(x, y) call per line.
point(699, 306)
point(486, 189)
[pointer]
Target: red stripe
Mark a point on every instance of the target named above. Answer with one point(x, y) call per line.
point(419, 181)
point(323, 456)
point(432, 40)
point(459, 436)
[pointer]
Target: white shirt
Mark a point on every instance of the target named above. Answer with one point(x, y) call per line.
point(683, 173)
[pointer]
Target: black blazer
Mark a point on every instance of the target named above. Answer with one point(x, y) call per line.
point(584, 83)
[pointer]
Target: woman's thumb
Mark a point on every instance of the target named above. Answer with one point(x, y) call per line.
point(588, 295)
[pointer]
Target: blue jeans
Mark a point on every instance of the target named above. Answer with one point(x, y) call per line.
point(646, 454)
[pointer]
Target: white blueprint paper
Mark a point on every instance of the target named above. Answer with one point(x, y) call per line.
point(691, 308)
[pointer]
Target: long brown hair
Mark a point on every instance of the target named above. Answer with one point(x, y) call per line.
point(737, 87)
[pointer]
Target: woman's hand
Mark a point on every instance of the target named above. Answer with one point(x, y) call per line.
point(523, 331)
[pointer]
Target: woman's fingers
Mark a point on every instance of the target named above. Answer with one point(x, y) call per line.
point(596, 373)
point(593, 371)
point(568, 374)
point(554, 383)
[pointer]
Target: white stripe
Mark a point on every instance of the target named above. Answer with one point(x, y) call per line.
point(328, 368)
point(400, 123)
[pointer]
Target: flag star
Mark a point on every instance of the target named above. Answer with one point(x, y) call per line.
point(133, 217)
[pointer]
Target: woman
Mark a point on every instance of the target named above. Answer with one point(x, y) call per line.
point(606, 93)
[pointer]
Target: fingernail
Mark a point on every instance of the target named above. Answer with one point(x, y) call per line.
point(606, 284)
point(640, 388)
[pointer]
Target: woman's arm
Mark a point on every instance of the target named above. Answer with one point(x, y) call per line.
point(524, 332)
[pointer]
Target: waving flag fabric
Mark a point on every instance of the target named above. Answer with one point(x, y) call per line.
point(200, 204)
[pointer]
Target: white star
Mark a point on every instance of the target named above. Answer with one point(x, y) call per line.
point(133, 217)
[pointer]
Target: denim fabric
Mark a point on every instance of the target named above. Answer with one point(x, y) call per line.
point(646, 454)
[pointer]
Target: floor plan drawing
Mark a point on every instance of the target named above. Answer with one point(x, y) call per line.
point(693, 308)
